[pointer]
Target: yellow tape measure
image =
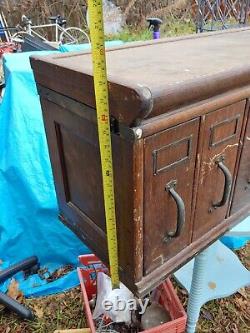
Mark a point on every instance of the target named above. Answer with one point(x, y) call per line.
point(103, 119)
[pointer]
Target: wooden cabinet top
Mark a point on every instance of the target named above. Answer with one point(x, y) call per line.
point(150, 78)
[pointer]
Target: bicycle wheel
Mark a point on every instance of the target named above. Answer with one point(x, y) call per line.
point(73, 35)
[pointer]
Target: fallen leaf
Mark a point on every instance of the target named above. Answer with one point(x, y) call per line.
point(207, 314)
point(7, 330)
point(59, 273)
point(13, 290)
point(241, 303)
point(39, 311)
point(235, 329)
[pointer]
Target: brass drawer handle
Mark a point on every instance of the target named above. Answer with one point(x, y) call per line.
point(228, 182)
point(170, 187)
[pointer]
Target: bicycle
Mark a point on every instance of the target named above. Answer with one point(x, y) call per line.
point(63, 35)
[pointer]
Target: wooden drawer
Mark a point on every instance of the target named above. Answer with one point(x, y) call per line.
point(169, 177)
point(241, 197)
point(221, 131)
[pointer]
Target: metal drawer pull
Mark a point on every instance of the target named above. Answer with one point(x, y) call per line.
point(228, 182)
point(170, 187)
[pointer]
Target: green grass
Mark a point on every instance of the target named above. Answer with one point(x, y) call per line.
point(130, 35)
point(63, 311)
point(170, 28)
point(174, 27)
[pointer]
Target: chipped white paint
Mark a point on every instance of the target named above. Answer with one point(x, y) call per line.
point(159, 259)
point(212, 160)
point(215, 157)
point(138, 133)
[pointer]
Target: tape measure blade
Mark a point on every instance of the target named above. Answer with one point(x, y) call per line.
point(103, 120)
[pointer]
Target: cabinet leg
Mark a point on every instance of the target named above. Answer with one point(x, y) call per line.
point(195, 296)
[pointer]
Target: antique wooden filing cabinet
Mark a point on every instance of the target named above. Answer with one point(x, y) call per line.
point(181, 147)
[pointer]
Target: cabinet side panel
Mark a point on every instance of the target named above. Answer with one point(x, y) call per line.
point(75, 157)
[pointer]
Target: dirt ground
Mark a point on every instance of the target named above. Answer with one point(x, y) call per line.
point(64, 311)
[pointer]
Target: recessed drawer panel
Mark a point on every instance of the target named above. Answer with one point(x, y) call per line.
point(171, 155)
point(170, 158)
point(224, 131)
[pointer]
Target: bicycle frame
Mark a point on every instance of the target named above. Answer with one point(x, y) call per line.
point(61, 32)
point(30, 29)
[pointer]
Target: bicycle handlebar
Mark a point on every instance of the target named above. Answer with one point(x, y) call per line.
point(58, 19)
point(25, 20)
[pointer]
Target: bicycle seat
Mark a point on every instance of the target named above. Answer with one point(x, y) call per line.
point(58, 19)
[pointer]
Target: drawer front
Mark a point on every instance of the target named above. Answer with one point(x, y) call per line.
point(241, 197)
point(221, 135)
point(168, 180)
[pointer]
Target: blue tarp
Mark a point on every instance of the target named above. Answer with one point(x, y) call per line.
point(239, 235)
point(28, 207)
point(86, 47)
